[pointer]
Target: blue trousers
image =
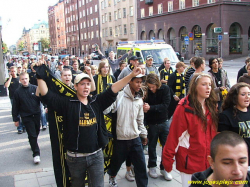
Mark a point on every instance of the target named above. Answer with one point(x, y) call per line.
point(155, 132)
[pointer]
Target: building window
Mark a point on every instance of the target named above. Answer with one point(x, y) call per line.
point(97, 34)
point(87, 11)
point(116, 30)
point(131, 11)
point(120, 29)
point(82, 2)
point(150, 11)
point(95, 8)
point(83, 13)
point(92, 34)
point(81, 26)
point(170, 6)
point(115, 2)
point(110, 31)
point(84, 24)
point(106, 32)
point(119, 14)
point(103, 19)
point(91, 22)
point(160, 9)
point(182, 4)
point(142, 13)
point(115, 15)
point(90, 10)
point(96, 21)
point(102, 32)
point(105, 3)
point(110, 18)
point(210, 1)
point(131, 28)
point(106, 17)
point(125, 29)
point(124, 13)
point(196, 3)
point(235, 39)
point(212, 41)
point(237, 0)
point(102, 5)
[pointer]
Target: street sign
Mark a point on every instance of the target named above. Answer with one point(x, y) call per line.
point(217, 30)
point(186, 39)
point(220, 37)
point(35, 45)
point(191, 36)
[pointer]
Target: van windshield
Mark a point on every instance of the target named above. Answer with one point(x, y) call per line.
point(160, 54)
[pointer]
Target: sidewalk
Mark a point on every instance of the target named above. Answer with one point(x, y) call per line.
point(45, 178)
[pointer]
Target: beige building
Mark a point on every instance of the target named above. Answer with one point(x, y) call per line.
point(117, 22)
point(37, 32)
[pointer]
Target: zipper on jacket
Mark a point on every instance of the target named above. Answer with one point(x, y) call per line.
point(78, 126)
point(186, 162)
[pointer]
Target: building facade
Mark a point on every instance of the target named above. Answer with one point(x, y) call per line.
point(57, 28)
point(82, 26)
point(118, 22)
point(214, 28)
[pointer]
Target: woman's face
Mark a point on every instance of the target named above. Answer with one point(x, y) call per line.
point(203, 87)
point(93, 71)
point(243, 98)
point(105, 69)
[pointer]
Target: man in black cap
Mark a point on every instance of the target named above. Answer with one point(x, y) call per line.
point(58, 72)
point(133, 62)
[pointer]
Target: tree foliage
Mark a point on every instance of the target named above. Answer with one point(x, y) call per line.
point(21, 46)
point(45, 43)
point(5, 48)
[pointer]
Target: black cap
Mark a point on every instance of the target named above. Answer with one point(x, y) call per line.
point(60, 63)
point(133, 58)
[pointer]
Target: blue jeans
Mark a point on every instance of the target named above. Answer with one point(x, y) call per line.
point(156, 131)
point(133, 149)
point(21, 126)
point(93, 164)
point(43, 116)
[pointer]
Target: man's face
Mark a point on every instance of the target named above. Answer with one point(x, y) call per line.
point(149, 62)
point(111, 55)
point(215, 64)
point(230, 164)
point(167, 64)
point(220, 64)
point(66, 62)
point(152, 87)
point(143, 68)
point(24, 79)
point(135, 85)
point(13, 72)
point(66, 77)
point(75, 65)
point(203, 66)
point(83, 88)
point(123, 66)
point(135, 63)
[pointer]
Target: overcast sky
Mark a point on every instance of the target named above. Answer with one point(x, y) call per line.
point(17, 14)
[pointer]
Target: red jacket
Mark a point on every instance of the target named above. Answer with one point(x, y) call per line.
point(187, 140)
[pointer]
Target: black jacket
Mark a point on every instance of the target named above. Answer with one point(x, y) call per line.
point(25, 102)
point(117, 73)
point(70, 108)
point(200, 179)
point(159, 102)
point(241, 72)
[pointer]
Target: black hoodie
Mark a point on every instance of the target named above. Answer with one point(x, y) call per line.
point(200, 179)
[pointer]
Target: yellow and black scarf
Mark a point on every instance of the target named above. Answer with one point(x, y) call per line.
point(180, 85)
point(166, 73)
point(100, 87)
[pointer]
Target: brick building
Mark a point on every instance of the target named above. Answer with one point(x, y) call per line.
point(173, 20)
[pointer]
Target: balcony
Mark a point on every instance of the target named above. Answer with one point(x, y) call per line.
point(149, 2)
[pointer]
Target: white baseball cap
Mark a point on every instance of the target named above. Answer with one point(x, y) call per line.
point(81, 76)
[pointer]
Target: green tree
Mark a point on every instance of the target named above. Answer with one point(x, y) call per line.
point(21, 46)
point(45, 44)
point(5, 48)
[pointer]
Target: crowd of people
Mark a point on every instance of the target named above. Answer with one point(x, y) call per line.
point(183, 108)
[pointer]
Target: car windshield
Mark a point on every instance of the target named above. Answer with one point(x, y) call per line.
point(160, 54)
